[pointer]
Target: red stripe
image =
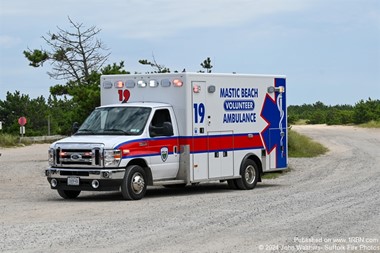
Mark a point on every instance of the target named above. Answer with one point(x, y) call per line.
point(146, 147)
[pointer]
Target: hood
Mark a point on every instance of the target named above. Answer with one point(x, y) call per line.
point(109, 141)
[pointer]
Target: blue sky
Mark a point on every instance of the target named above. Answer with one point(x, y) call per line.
point(328, 49)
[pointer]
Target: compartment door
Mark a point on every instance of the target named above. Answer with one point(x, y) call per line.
point(220, 154)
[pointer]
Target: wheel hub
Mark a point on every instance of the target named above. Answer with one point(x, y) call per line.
point(250, 174)
point(138, 183)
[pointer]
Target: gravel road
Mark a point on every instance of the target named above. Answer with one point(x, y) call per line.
point(326, 204)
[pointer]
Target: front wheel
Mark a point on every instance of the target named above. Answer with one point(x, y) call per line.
point(249, 172)
point(134, 183)
point(66, 194)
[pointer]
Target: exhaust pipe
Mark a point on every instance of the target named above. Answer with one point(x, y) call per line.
point(95, 184)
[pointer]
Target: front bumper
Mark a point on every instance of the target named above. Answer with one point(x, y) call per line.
point(107, 179)
point(85, 173)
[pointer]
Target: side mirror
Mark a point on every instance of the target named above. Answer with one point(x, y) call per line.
point(75, 127)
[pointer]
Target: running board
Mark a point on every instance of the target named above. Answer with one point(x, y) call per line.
point(168, 182)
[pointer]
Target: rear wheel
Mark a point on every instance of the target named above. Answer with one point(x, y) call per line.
point(66, 194)
point(134, 183)
point(249, 172)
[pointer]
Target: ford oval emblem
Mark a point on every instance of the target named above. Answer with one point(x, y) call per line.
point(75, 156)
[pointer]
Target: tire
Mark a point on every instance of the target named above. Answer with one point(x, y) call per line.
point(134, 183)
point(232, 184)
point(66, 194)
point(249, 172)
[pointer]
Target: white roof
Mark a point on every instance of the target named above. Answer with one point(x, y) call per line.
point(138, 104)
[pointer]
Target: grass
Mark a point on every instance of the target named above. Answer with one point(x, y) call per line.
point(371, 124)
point(303, 146)
point(8, 140)
point(301, 122)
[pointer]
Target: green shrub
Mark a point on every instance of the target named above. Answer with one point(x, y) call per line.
point(9, 140)
point(302, 146)
point(371, 124)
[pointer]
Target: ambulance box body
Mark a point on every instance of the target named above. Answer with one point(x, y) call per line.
point(174, 130)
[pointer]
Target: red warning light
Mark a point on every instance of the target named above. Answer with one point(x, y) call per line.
point(177, 82)
point(196, 88)
point(119, 84)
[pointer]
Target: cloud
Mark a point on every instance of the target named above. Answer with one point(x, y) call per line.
point(152, 18)
point(7, 41)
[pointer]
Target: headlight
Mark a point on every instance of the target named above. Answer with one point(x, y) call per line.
point(51, 156)
point(112, 157)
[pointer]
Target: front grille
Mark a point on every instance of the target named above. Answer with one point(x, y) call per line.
point(78, 155)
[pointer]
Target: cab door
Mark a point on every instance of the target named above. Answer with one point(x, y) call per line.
point(163, 145)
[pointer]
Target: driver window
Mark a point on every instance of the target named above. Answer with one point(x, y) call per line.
point(161, 124)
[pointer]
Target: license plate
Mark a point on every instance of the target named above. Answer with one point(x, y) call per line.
point(73, 181)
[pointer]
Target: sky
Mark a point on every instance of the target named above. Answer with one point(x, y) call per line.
point(329, 50)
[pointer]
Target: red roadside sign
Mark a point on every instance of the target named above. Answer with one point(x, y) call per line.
point(22, 121)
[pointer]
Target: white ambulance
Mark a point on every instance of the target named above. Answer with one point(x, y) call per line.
point(174, 130)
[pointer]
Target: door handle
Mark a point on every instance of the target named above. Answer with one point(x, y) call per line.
point(143, 144)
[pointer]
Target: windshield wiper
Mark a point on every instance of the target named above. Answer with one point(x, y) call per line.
point(115, 130)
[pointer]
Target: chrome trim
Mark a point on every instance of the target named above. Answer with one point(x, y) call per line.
point(92, 173)
point(78, 155)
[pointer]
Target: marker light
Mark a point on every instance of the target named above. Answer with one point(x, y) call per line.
point(177, 82)
point(119, 84)
point(196, 88)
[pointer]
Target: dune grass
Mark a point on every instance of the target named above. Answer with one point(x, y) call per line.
point(303, 146)
point(371, 124)
point(8, 140)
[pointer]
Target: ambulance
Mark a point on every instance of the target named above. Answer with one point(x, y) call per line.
point(174, 130)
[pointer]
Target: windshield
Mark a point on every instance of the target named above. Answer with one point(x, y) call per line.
point(115, 121)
